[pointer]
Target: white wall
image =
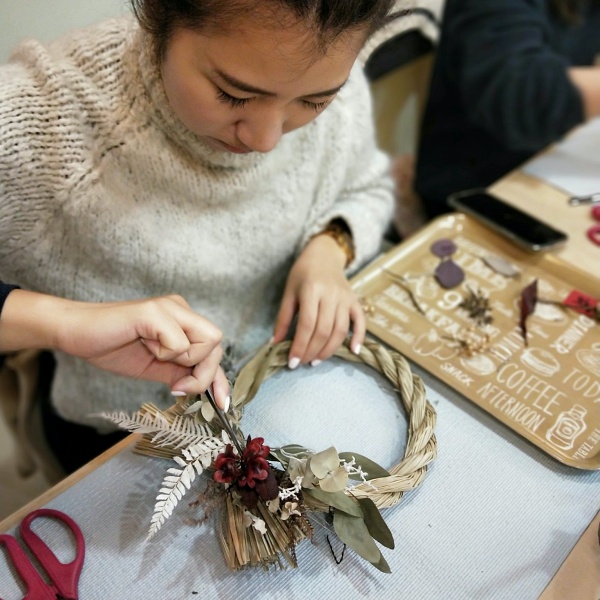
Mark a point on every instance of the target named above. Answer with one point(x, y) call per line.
point(47, 19)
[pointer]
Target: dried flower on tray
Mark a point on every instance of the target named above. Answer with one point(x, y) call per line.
point(447, 273)
point(527, 306)
point(471, 342)
point(477, 305)
point(405, 285)
point(501, 265)
point(443, 248)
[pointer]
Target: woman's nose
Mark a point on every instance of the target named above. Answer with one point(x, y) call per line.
point(260, 132)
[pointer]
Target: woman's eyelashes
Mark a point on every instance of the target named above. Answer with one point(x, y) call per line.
point(235, 102)
point(316, 106)
point(226, 98)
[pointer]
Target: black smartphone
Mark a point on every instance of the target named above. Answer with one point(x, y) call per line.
point(523, 229)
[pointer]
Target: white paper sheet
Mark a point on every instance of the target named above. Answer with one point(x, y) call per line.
point(572, 165)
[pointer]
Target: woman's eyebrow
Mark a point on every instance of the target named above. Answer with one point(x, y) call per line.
point(250, 89)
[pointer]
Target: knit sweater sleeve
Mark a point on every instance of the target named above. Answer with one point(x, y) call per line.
point(365, 200)
point(51, 118)
point(516, 87)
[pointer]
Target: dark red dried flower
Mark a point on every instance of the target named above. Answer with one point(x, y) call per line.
point(251, 473)
point(227, 466)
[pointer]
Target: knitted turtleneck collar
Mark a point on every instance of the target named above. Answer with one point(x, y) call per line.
point(166, 120)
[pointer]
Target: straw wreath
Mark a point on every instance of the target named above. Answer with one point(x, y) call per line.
point(421, 446)
point(264, 508)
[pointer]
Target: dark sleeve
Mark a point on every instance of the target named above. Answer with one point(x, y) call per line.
point(5, 290)
point(513, 83)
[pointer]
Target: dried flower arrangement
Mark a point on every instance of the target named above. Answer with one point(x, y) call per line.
point(266, 495)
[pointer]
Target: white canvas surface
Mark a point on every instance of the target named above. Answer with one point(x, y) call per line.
point(494, 518)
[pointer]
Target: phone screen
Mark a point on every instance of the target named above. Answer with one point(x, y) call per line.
point(522, 228)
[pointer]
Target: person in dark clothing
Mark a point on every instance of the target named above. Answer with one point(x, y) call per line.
point(510, 78)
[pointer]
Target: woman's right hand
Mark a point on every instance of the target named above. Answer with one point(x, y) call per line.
point(158, 339)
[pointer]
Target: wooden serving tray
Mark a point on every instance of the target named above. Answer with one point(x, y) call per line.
point(547, 391)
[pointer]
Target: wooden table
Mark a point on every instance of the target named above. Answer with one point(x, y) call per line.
point(550, 204)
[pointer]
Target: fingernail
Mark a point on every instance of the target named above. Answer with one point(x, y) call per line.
point(271, 340)
point(177, 394)
point(227, 403)
point(294, 362)
point(356, 349)
point(314, 363)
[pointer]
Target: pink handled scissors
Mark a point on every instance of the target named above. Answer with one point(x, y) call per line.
point(593, 232)
point(64, 576)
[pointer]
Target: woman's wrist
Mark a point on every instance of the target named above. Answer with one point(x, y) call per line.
point(30, 320)
point(338, 232)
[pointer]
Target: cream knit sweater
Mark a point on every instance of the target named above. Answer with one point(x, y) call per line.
point(104, 195)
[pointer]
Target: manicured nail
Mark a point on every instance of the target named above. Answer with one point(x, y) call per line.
point(356, 349)
point(177, 394)
point(314, 363)
point(227, 403)
point(271, 340)
point(294, 362)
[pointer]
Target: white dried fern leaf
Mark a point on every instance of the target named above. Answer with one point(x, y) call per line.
point(138, 422)
point(184, 431)
point(178, 480)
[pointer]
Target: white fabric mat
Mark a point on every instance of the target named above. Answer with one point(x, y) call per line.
point(494, 518)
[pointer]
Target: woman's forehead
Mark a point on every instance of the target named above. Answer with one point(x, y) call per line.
point(272, 60)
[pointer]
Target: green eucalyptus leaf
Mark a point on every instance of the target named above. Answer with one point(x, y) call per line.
point(372, 469)
point(337, 500)
point(354, 533)
point(382, 565)
point(324, 462)
point(375, 524)
point(296, 450)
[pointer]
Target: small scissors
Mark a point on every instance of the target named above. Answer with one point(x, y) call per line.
point(593, 232)
point(65, 577)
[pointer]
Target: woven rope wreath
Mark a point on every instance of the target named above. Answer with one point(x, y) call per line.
point(421, 446)
point(264, 508)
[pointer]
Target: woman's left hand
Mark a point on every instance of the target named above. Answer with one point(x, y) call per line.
point(318, 290)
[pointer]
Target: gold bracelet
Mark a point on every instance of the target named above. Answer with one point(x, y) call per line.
point(339, 232)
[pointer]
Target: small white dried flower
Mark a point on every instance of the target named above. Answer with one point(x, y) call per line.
point(289, 509)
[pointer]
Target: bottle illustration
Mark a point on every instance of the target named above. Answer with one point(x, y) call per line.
point(568, 426)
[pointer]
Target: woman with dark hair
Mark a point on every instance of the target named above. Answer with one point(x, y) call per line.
point(509, 79)
point(222, 149)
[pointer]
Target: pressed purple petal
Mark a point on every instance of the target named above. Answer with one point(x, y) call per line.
point(443, 248)
point(449, 274)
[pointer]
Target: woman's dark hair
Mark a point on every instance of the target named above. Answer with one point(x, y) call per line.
point(329, 18)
